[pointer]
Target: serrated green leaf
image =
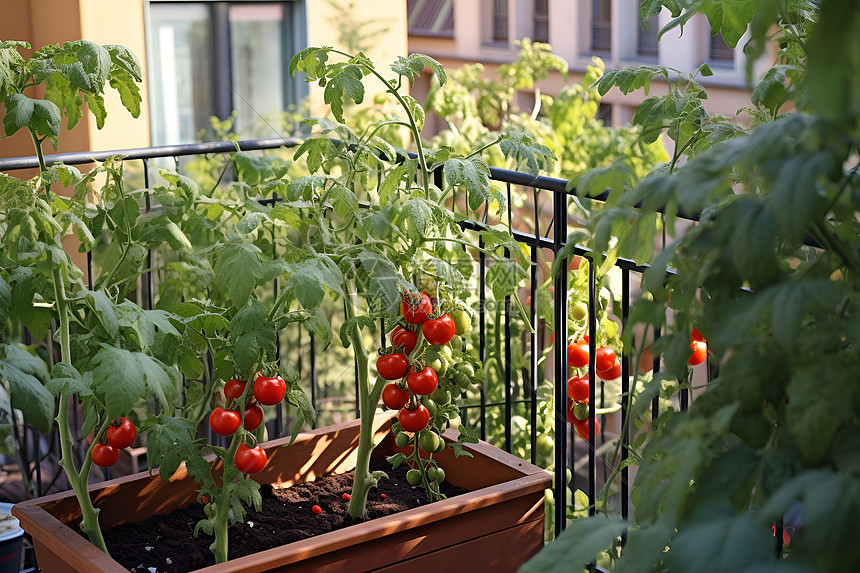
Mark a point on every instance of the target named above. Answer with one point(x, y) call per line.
point(504, 278)
point(343, 200)
point(104, 308)
point(415, 109)
point(5, 302)
point(66, 380)
point(25, 375)
point(320, 150)
point(524, 151)
point(41, 115)
point(237, 267)
point(122, 379)
point(309, 278)
point(412, 66)
point(418, 213)
point(59, 90)
point(253, 337)
point(627, 79)
point(472, 174)
point(343, 81)
point(251, 169)
point(170, 442)
point(346, 329)
point(10, 62)
point(384, 283)
point(311, 61)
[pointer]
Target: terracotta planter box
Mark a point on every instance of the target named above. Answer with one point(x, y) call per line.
point(496, 527)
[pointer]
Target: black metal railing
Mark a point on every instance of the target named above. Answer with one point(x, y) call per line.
point(552, 239)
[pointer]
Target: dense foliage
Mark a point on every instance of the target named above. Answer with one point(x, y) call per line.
point(769, 275)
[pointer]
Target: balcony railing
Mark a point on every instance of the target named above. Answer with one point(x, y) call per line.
point(550, 207)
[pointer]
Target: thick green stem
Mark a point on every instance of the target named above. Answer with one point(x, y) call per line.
point(368, 400)
point(89, 513)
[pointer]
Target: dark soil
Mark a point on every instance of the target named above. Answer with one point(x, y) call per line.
point(166, 543)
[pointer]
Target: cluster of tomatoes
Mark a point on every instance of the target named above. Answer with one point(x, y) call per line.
point(120, 434)
point(606, 367)
point(268, 391)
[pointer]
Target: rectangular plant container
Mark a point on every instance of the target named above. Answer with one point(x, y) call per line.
point(496, 527)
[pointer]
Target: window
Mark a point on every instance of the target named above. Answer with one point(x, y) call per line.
point(500, 21)
point(720, 51)
point(430, 17)
point(604, 113)
point(647, 41)
point(541, 31)
point(211, 58)
point(601, 26)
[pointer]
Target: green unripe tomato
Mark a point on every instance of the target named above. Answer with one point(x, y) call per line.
point(456, 343)
point(429, 441)
point(430, 405)
point(413, 477)
point(545, 445)
point(440, 396)
point(440, 475)
point(580, 411)
point(466, 368)
point(402, 440)
point(462, 381)
point(441, 447)
point(439, 366)
point(454, 422)
point(462, 321)
point(431, 473)
point(579, 311)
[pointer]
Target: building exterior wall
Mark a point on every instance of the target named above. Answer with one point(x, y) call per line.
point(570, 36)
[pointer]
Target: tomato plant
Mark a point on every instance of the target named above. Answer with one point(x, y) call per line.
point(440, 330)
point(250, 460)
point(121, 433)
point(269, 391)
point(392, 366)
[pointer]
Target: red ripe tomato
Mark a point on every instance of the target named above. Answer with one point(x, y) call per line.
point(577, 355)
point(394, 397)
point(233, 389)
point(424, 382)
point(121, 433)
point(104, 455)
point(611, 374)
point(249, 460)
point(404, 338)
point(253, 417)
point(269, 391)
point(224, 422)
point(416, 312)
point(414, 420)
point(577, 388)
point(583, 427)
point(700, 352)
point(440, 330)
point(392, 366)
point(604, 358)
point(696, 335)
point(583, 340)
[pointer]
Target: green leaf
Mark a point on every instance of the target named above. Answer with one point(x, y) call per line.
point(5, 303)
point(40, 115)
point(311, 61)
point(10, 63)
point(412, 66)
point(415, 109)
point(343, 81)
point(145, 323)
point(66, 380)
point(105, 311)
point(309, 278)
point(25, 375)
point(504, 278)
point(577, 546)
point(126, 75)
point(303, 187)
point(418, 213)
point(391, 184)
point(251, 169)
point(296, 396)
point(343, 200)
point(320, 150)
point(237, 267)
point(121, 379)
point(318, 325)
point(526, 152)
point(473, 174)
point(58, 90)
point(253, 337)
point(170, 442)
point(384, 284)
point(628, 79)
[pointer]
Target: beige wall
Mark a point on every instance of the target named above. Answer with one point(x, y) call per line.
point(322, 30)
point(42, 22)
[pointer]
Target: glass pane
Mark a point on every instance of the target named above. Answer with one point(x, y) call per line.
point(181, 102)
point(259, 62)
point(601, 26)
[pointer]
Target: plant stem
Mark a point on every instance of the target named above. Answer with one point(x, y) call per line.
point(89, 513)
point(368, 400)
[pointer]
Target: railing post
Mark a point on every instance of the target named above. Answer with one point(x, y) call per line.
point(559, 212)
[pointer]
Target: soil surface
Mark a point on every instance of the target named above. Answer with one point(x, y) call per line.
point(165, 544)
